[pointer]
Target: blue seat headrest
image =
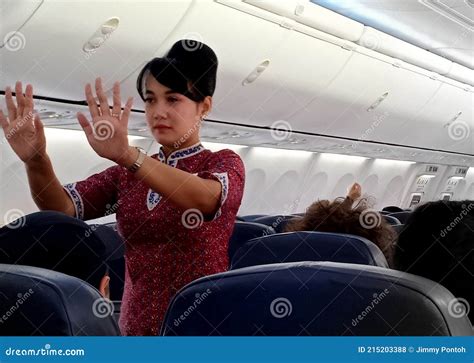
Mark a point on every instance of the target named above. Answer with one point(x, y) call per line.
point(391, 220)
point(313, 298)
point(244, 231)
point(308, 246)
point(36, 301)
point(401, 216)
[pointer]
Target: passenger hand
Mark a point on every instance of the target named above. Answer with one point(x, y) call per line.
point(107, 134)
point(355, 191)
point(23, 129)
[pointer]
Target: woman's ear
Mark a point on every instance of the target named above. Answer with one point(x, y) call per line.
point(207, 105)
point(104, 286)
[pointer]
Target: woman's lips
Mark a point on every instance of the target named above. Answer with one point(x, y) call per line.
point(162, 127)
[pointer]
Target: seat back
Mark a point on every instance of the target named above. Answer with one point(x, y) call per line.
point(244, 231)
point(308, 246)
point(391, 220)
point(401, 216)
point(277, 222)
point(250, 217)
point(36, 301)
point(313, 298)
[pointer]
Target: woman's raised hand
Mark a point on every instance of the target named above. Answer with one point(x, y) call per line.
point(108, 131)
point(23, 129)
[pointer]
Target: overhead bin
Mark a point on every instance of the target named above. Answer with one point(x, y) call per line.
point(55, 37)
point(368, 100)
point(14, 15)
point(296, 67)
point(314, 16)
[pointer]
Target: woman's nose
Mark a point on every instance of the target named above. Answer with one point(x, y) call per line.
point(159, 111)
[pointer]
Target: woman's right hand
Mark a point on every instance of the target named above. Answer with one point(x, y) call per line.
point(23, 129)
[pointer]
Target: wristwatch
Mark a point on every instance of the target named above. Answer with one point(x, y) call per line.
point(138, 163)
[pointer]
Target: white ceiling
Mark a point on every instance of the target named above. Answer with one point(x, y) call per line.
point(315, 82)
point(444, 27)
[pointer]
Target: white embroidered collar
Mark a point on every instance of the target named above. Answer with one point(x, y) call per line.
point(181, 153)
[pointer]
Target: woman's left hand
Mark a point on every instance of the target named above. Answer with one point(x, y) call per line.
point(107, 134)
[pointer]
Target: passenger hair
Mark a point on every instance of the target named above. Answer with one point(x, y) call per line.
point(341, 216)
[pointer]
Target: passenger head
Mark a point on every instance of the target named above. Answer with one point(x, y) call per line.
point(438, 243)
point(340, 216)
point(177, 90)
point(392, 209)
point(61, 243)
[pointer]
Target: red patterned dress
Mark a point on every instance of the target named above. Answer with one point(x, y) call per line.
point(166, 246)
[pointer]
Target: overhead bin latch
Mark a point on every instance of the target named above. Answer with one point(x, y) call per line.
point(287, 23)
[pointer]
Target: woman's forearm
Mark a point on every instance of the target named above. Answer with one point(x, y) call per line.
point(182, 188)
point(46, 190)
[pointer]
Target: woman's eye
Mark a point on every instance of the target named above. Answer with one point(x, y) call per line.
point(148, 100)
point(172, 99)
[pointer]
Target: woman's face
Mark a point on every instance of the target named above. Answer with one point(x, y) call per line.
point(174, 119)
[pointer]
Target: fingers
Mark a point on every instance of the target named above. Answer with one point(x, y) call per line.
point(39, 127)
point(117, 108)
point(104, 103)
point(4, 122)
point(29, 103)
point(20, 99)
point(10, 104)
point(93, 109)
point(126, 111)
point(85, 124)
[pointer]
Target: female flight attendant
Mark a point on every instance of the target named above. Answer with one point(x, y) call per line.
point(175, 209)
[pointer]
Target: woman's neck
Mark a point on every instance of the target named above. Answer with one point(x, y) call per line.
point(168, 150)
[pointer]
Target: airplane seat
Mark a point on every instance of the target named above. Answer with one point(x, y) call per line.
point(391, 220)
point(251, 217)
point(278, 222)
point(308, 246)
point(401, 216)
point(244, 231)
point(315, 299)
point(36, 301)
